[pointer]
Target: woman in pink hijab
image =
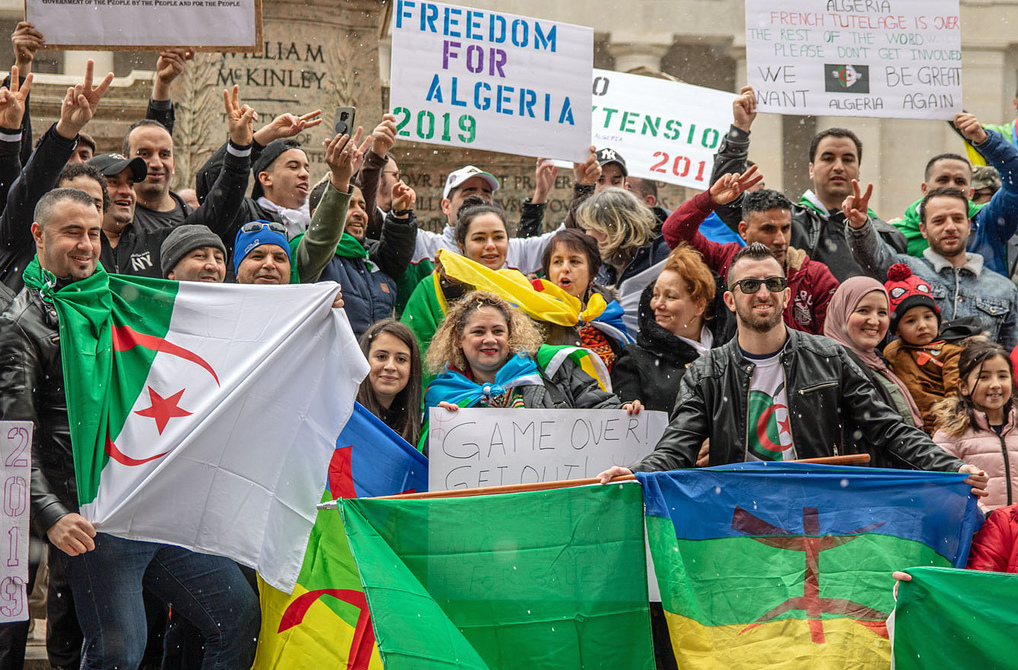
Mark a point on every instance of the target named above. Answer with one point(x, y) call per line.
point(858, 317)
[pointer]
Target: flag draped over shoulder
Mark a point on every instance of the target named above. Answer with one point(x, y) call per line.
point(789, 566)
point(202, 415)
point(325, 622)
point(538, 580)
point(947, 619)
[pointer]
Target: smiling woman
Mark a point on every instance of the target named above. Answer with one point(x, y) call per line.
point(485, 351)
point(858, 318)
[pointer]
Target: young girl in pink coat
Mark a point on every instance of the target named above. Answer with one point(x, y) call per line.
point(979, 425)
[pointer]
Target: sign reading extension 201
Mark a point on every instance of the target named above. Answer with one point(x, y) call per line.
point(486, 80)
point(884, 58)
point(666, 130)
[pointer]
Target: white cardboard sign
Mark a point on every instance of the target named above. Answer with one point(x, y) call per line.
point(665, 130)
point(472, 448)
point(881, 58)
point(208, 25)
point(483, 79)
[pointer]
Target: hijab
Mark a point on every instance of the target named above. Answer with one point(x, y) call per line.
point(842, 304)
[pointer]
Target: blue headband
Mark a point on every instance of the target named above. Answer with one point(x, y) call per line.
point(248, 242)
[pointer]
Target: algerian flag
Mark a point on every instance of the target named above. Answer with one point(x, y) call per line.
point(203, 415)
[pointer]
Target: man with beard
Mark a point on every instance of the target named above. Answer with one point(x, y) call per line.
point(777, 394)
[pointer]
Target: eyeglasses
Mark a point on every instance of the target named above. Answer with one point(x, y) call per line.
point(749, 286)
point(256, 226)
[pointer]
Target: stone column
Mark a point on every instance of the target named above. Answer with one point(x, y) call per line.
point(632, 51)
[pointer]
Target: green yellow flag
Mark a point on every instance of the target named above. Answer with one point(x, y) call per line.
point(547, 579)
point(947, 618)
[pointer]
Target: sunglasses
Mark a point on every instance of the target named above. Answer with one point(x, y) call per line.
point(750, 286)
point(256, 226)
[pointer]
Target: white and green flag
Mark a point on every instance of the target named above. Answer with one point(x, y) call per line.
point(204, 415)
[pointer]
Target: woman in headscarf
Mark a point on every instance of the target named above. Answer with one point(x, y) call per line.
point(858, 317)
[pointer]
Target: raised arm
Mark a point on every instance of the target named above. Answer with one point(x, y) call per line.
point(26, 41)
point(317, 247)
point(870, 251)
point(532, 208)
point(170, 65)
point(398, 237)
point(383, 139)
point(223, 202)
point(734, 149)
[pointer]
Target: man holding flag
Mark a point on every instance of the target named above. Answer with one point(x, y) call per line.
point(106, 573)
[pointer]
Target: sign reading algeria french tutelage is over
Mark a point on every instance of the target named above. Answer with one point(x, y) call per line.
point(882, 58)
point(487, 80)
point(666, 130)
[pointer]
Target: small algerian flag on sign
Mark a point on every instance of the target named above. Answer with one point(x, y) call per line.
point(203, 415)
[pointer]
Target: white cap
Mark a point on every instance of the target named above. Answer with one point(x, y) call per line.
point(464, 173)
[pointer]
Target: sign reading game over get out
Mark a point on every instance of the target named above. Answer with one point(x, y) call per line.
point(884, 58)
point(486, 80)
point(666, 130)
point(472, 448)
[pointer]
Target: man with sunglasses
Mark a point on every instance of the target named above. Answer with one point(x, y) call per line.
point(767, 219)
point(777, 394)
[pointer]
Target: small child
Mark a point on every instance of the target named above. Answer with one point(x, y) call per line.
point(979, 425)
point(922, 360)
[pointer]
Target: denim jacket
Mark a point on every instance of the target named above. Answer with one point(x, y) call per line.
point(971, 290)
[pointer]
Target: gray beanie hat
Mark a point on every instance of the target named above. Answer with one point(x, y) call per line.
point(182, 241)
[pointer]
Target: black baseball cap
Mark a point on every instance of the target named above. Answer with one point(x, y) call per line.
point(605, 156)
point(110, 165)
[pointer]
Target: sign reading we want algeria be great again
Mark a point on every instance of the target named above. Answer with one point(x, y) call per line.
point(883, 58)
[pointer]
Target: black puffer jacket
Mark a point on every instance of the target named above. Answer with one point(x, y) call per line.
point(651, 369)
point(32, 389)
point(826, 392)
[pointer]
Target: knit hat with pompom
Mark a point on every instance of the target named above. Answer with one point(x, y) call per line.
point(907, 291)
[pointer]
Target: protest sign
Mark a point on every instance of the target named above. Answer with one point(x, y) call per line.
point(487, 80)
point(666, 130)
point(15, 464)
point(148, 25)
point(471, 448)
point(883, 58)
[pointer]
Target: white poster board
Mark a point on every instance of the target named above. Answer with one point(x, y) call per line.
point(483, 79)
point(148, 25)
point(472, 448)
point(882, 58)
point(15, 468)
point(665, 130)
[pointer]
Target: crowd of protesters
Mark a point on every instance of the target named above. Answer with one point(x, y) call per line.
point(768, 328)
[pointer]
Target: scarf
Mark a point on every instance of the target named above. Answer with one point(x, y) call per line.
point(843, 302)
point(455, 387)
point(295, 220)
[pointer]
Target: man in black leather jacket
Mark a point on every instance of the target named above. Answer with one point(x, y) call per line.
point(105, 572)
point(825, 393)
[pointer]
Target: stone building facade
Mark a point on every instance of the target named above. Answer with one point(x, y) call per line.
point(324, 53)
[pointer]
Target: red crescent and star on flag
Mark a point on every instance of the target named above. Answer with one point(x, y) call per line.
point(161, 409)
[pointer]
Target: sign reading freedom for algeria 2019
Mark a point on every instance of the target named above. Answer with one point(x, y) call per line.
point(884, 58)
point(666, 130)
point(208, 25)
point(486, 80)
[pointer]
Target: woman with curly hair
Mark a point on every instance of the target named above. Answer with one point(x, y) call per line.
point(392, 389)
point(485, 350)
